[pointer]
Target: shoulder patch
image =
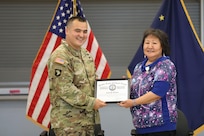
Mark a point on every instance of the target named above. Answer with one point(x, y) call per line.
point(59, 60)
point(58, 72)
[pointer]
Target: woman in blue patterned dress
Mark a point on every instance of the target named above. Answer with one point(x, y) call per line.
point(153, 94)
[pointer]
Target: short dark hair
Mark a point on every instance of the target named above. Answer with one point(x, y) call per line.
point(79, 18)
point(163, 38)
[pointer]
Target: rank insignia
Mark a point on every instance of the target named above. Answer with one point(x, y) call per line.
point(58, 72)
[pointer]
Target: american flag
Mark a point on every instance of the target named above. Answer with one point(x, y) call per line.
point(38, 103)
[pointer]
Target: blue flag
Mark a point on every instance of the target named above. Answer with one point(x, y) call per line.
point(188, 56)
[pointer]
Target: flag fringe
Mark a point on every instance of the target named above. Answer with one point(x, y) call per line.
point(191, 24)
point(128, 73)
point(199, 130)
point(36, 123)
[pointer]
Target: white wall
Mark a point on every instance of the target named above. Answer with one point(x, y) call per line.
point(13, 120)
point(115, 121)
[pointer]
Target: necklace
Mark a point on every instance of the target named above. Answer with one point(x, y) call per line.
point(147, 68)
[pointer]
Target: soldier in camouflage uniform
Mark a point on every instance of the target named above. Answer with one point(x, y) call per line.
point(71, 71)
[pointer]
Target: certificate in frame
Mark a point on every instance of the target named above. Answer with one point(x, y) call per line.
point(112, 90)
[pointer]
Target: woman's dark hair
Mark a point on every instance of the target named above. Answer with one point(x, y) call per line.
point(163, 38)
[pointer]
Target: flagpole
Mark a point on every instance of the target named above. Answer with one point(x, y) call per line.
point(74, 8)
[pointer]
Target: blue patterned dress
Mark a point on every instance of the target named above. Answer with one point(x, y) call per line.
point(160, 78)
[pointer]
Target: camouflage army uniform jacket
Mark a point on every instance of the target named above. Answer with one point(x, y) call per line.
point(72, 80)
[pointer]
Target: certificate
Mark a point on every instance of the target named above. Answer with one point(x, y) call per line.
point(112, 90)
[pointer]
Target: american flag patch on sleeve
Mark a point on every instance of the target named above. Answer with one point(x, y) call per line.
point(59, 60)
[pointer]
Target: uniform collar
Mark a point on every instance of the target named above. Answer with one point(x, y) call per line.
point(74, 52)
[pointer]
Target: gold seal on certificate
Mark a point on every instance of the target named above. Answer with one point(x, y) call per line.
point(112, 90)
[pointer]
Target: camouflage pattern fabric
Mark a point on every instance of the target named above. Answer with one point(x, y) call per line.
point(72, 82)
point(77, 131)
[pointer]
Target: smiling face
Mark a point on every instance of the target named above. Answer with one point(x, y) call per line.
point(76, 33)
point(152, 48)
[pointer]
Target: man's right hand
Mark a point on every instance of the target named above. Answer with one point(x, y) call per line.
point(99, 104)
